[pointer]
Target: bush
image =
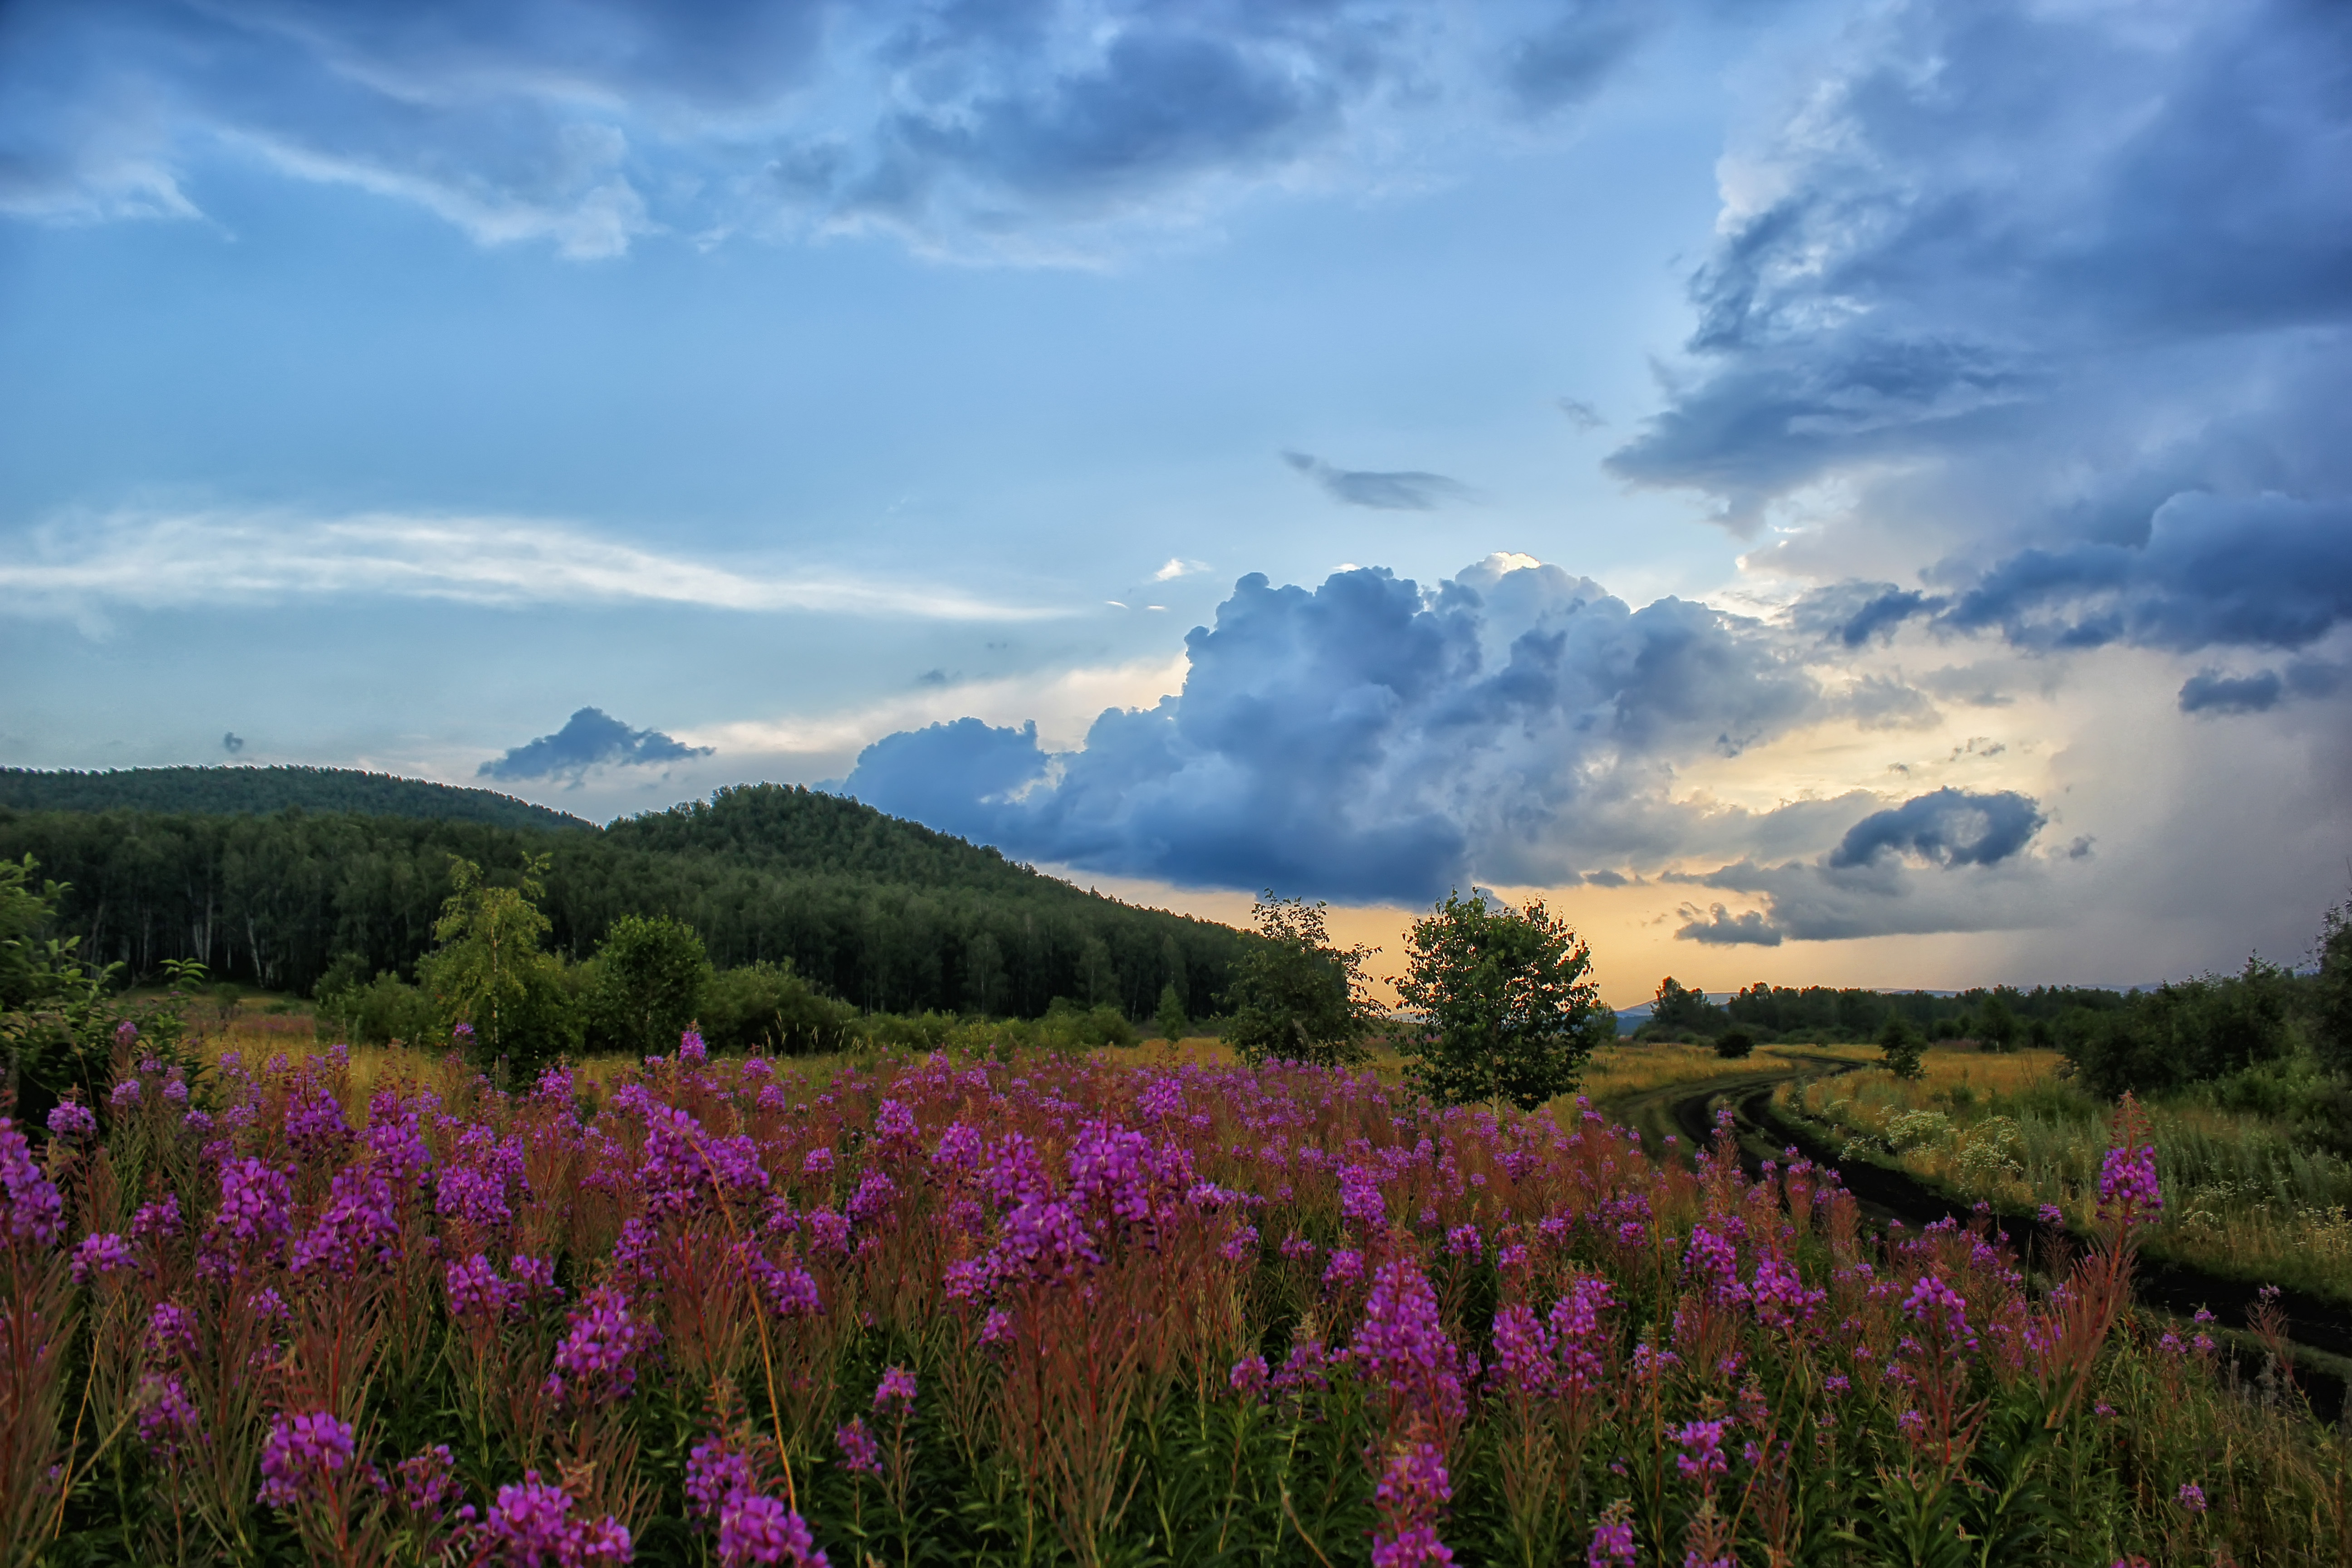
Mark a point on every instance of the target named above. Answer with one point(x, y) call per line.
point(1901, 1049)
point(767, 1008)
point(378, 1012)
point(2184, 1032)
point(647, 985)
point(1734, 1044)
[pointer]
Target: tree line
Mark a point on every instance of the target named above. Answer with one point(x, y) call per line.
point(250, 790)
point(883, 914)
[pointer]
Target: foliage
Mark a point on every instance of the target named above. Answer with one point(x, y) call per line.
point(1048, 1312)
point(766, 1007)
point(255, 791)
point(1734, 1044)
point(2331, 992)
point(1296, 997)
point(375, 1011)
point(647, 984)
point(492, 976)
point(887, 915)
point(1502, 1003)
point(2185, 1031)
point(1900, 1048)
point(1169, 1019)
point(1678, 1013)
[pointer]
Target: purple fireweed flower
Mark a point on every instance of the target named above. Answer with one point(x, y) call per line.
point(531, 1524)
point(2127, 1184)
point(301, 1455)
point(427, 1486)
point(1108, 1168)
point(253, 1201)
point(960, 1153)
point(1412, 1493)
point(893, 1121)
point(30, 1207)
point(1524, 1355)
point(2191, 1497)
point(817, 1162)
point(71, 1118)
point(715, 1474)
point(463, 1034)
point(691, 1047)
point(1241, 1247)
point(1402, 1345)
point(476, 1294)
point(874, 1196)
point(171, 1331)
point(358, 1225)
point(1360, 1201)
point(593, 1361)
point(1345, 1267)
point(125, 1094)
point(1779, 1297)
point(761, 1529)
point(860, 1454)
point(124, 1033)
point(1702, 1457)
point(1248, 1377)
point(897, 1388)
point(533, 1277)
point(1613, 1539)
point(1463, 1241)
point(315, 1124)
point(161, 1217)
point(2054, 1216)
point(1934, 1305)
point(102, 1253)
point(166, 1420)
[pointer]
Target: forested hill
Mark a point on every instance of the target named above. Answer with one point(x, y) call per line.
point(881, 912)
point(253, 791)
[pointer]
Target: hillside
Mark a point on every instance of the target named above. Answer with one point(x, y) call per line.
point(236, 791)
point(883, 912)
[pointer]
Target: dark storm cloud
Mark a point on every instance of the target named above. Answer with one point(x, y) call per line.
point(1721, 928)
point(1949, 827)
point(590, 738)
point(2066, 301)
point(1368, 739)
point(1396, 491)
point(588, 123)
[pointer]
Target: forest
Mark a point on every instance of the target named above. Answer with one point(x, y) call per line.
point(248, 791)
point(882, 913)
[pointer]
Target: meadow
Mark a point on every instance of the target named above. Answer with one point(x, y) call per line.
point(2244, 1199)
point(1140, 1305)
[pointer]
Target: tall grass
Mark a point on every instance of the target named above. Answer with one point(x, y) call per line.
point(2242, 1198)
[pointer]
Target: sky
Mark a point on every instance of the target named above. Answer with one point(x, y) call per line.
point(1817, 491)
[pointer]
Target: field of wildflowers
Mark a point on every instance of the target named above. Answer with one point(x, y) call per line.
point(1050, 1309)
point(2248, 1200)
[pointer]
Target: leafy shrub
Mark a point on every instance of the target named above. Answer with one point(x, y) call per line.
point(1734, 1044)
point(767, 1008)
point(2184, 1032)
point(377, 1012)
point(646, 983)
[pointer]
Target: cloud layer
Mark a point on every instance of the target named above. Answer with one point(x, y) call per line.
point(209, 558)
point(1370, 739)
point(1405, 490)
point(586, 124)
point(2050, 307)
point(591, 738)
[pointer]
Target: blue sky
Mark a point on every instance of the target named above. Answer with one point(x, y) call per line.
point(1829, 491)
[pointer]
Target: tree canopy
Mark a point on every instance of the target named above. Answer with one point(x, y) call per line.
point(1502, 1003)
point(1295, 995)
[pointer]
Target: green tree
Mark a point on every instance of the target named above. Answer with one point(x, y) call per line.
point(491, 972)
point(2331, 992)
point(1679, 1013)
point(1296, 997)
point(1900, 1048)
point(1170, 1021)
point(1997, 1025)
point(1502, 1001)
point(1734, 1044)
point(650, 977)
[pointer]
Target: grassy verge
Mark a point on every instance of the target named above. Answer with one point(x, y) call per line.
point(2242, 1198)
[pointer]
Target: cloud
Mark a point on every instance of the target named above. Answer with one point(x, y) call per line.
point(208, 558)
point(1369, 740)
point(1581, 413)
point(2051, 306)
point(232, 742)
point(1949, 827)
point(590, 738)
point(1178, 567)
point(1724, 928)
point(1024, 131)
point(2211, 691)
point(1402, 491)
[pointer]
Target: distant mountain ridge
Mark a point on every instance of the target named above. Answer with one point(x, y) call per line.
point(240, 790)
